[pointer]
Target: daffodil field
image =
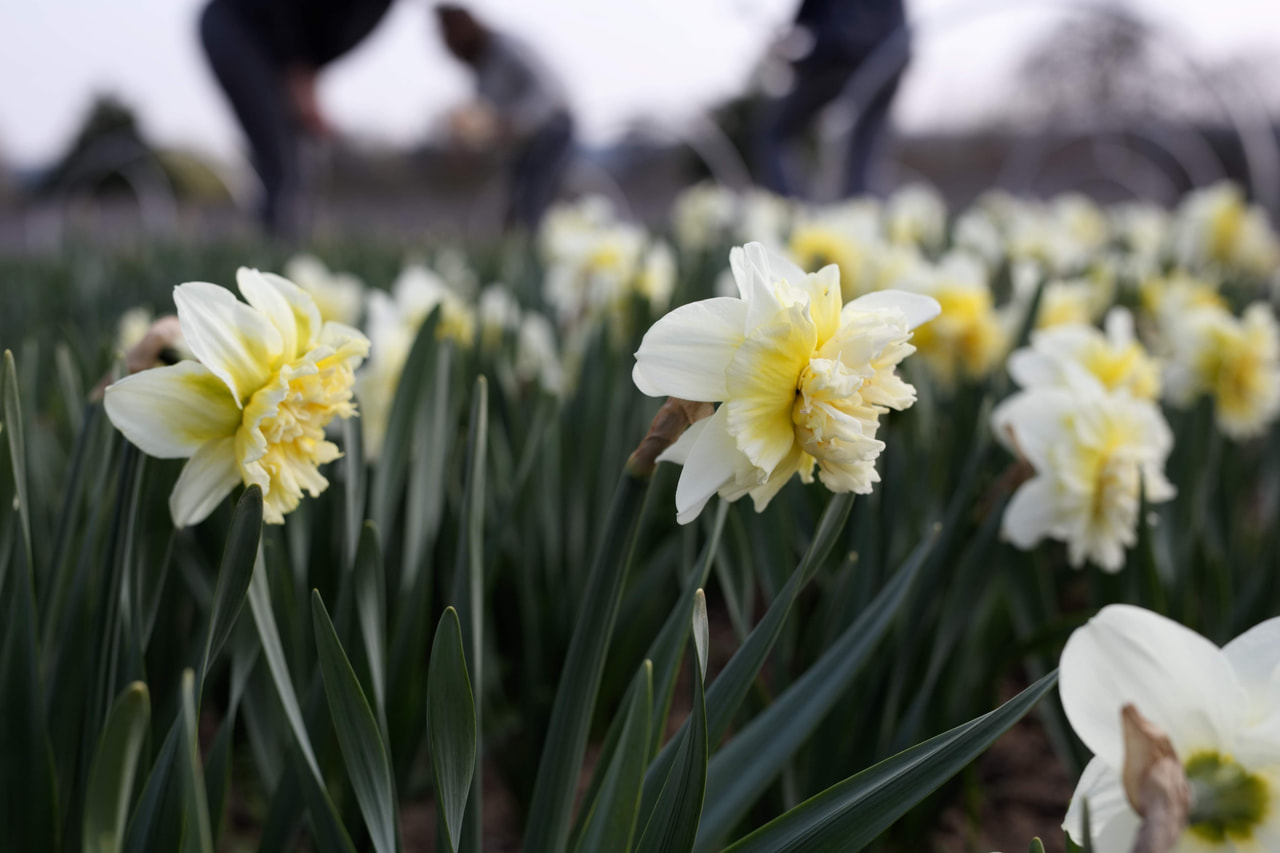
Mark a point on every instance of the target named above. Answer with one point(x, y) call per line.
point(752, 532)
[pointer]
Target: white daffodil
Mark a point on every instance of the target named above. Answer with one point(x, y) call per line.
point(1215, 229)
point(1237, 361)
point(1092, 452)
point(1115, 358)
point(970, 336)
point(763, 218)
point(498, 313)
point(801, 380)
point(393, 321)
point(338, 295)
point(1220, 708)
point(916, 215)
point(846, 235)
point(537, 358)
point(252, 408)
point(703, 216)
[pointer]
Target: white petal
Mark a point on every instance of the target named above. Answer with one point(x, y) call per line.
point(1031, 423)
point(1119, 326)
point(1109, 813)
point(751, 270)
point(289, 308)
point(678, 452)
point(916, 307)
point(171, 412)
point(1030, 514)
point(205, 480)
point(1176, 678)
point(685, 353)
point(236, 342)
point(1031, 369)
point(1255, 657)
point(781, 267)
point(713, 461)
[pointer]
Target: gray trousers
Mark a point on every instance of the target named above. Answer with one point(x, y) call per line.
point(254, 82)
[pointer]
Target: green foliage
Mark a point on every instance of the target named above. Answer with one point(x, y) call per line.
point(833, 637)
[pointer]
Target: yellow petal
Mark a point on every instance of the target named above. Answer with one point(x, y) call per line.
point(240, 345)
point(171, 412)
point(761, 380)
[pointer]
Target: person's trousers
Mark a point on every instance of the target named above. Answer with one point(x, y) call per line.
point(537, 170)
point(816, 86)
point(254, 83)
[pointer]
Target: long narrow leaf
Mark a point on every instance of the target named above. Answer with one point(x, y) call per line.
point(112, 771)
point(451, 724)
point(359, 739)
point(849, 815)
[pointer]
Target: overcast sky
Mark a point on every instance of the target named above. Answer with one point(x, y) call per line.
point(621, 59)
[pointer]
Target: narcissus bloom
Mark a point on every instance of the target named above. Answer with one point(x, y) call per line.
point(1219, 706)
point(1092, 452)
point(970, 336)
point(802, 381)
point(1237, 361)
point(1115, 358)
point(252, 408)
point(338, 295)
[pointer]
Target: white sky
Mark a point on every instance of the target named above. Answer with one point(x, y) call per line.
point(621, 60)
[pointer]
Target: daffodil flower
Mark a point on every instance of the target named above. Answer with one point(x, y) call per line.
point(1114, 358)
point(268, 376)
point(1092, 451)
point(802, 381)
point(1219, 706)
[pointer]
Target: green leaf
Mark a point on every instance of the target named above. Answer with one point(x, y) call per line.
point(667, 649)
point(672, 825)
point(849, 815)
point(451, 724)
point(28, 785)
point(13, 429)
point(238, 557)
point(566, 740)
point(389, 473)
point(611, 821)
point(359, 739)
point(371, 614)
point(217, 773)
point(743, 769)
point(1037, 846)
point(353, 474)
point(197, 837)
point(330, 835)
point(734, 681)
point(468, 585)
point(112, 772)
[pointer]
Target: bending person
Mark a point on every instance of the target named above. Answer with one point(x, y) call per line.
point(525, 106)
point(266, 55)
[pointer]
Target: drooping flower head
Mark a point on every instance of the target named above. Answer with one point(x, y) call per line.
point(268, 376)
point(1220, 708)
point(802, 381)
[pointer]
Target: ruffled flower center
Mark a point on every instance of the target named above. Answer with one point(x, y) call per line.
point(281, 442)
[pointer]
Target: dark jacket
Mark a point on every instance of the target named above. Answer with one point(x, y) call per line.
point(310, 32)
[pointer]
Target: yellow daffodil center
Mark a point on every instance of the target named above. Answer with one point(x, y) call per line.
point(814, 247)
point(967, 333)
point(280, 444)
point(1235, 369)
point(1228, 802)
point(1123, 367)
